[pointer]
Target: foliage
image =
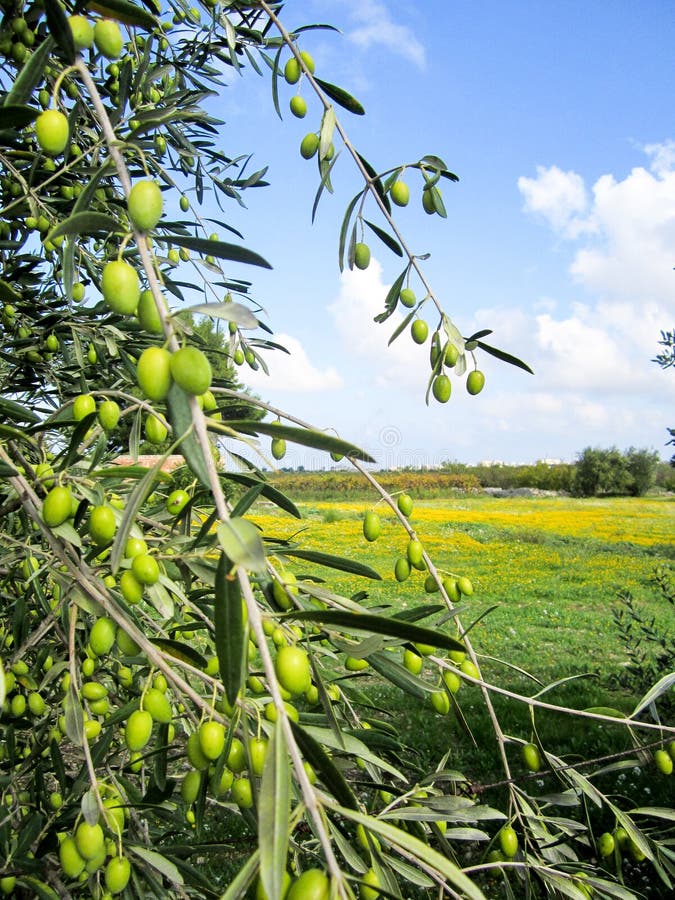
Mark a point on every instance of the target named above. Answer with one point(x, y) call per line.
point(612, 472)
point(648, 644)
point(171, 690)
point(666, 359)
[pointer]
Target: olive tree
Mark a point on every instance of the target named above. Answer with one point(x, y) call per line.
point(176, 684)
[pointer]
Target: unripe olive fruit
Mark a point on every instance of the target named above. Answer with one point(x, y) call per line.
point(464, 586)
point(102, 636)
point(280, 591)
point(195, 754)
point(257, 750)
point(189, 789)
point(108, 38)
point(468, 668)
point(211, 739)
point(191, 370)
point(415, 554)
point(158, 705)
point(412, 661)
point(663, 761)
point(407, 297)
point(370, 882)
point(138, 729)
point(451, 589)
point(400, 193)
point(102, 525)
point(508, 841)
point(117, 874)
point(147, 313)
point(57, 506)
point(419, 331)
point(452, 681)
point(82, 31)
point(155, 431)
point(72, 863)
point(371, 526)
point(144, 204)
point(475, 381)
point(428, 200)
point(109, 414)
point(532, 757)
point(242, 793)
point(89, 840)
point(177, 501)
point(441, 388)
point(236, 758)
point(261, 893)
point(51, 131)
point(451, 355)
point(405, 504)
point(606, 844)
point(83, 406)
point(298, 106)
point(402, 569)
point(120, 287)
point(361, 255)
point(278, 448)
point(131, 588)
point(308, 61)
point(313, 884)
point(440, 702)
point(153, 372)
point(145, 568)
point(292, 71)
point(293, 669)
point(309, 145)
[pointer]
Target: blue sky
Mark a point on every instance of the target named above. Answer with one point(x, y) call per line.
point(560, 236)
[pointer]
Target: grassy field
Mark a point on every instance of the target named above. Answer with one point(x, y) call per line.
point(548, 571)
point(551, 567)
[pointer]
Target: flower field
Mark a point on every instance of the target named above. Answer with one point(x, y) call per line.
point(548, 569)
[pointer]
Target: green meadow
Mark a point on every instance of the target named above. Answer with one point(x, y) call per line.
point(546, 572)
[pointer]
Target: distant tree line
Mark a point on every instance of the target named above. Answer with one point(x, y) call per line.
point(596, 472)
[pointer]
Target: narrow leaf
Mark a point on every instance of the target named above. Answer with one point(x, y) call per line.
point(126, 12)
point(16, 117)
point(84, 223)
point(505, 357)
point(334, 562)
point(241, 541)
point(60, 29)
point(324, 767)
point(376, 182)
point(229, 628)
point(326, 131)
point(341, 97)
point(179, 650)
point(74, 717)
point(663, 685)
point(274, 807)
point(222, 250)
point(386, 239)
point(158, 862)
point(319, 440)
point(268, 491)
point(392, 297)
point(401, 328)
point(344, 229)
point(414, 847)
point(364, 622)
point(232, 312)
point(180, 415)
point(31, 74)
point(134, 503)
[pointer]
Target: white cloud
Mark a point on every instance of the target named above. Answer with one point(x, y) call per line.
point(375, 26)
point(560, 197)
point(293, 372)
point(624, 256)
